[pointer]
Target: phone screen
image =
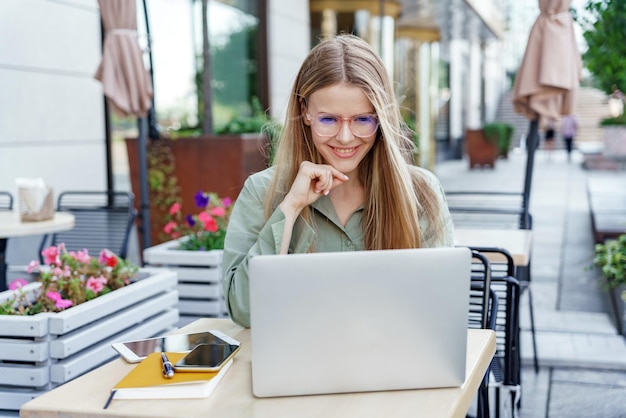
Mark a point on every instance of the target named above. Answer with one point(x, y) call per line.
point(174, 343)
point(207, 356)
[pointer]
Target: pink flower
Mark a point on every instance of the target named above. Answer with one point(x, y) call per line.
point(108, 258)
point(227, 201)
point(33, 266)
point(204, 217)
point(211, 225)
point(17, 284)
point(82, 256)
point(63, 303)
point(52, 255)
point(218, 211)
point(96, 284)
point(175, 208)
point(169, 227)
point(54, 296)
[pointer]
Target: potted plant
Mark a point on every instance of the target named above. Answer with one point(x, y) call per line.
point(611, 258)
point(480, 150)
point(499, 133)
point(614, 136)
point(62, 325)
point(195, 251)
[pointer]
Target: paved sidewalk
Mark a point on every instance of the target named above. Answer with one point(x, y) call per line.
point(582, 358)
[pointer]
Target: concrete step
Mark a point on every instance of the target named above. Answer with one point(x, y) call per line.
point(579, 350)
point(569, 321)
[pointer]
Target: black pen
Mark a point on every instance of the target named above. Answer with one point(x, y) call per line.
point(168, 370)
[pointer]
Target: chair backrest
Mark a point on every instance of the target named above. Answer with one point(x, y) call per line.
point(506, 365)
point(103, 219)
point(486, 209)
point(483, 301)
point(6, 200)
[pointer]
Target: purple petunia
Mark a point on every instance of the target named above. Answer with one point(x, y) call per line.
point(190, 221)
point(201, 200)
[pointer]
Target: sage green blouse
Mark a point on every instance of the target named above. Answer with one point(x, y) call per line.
point(250, 234)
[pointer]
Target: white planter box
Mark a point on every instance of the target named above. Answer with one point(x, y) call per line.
point(614, 141)
point(40, 352)
point(199, 279)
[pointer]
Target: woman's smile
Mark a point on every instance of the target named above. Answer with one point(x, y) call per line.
point(345, 152)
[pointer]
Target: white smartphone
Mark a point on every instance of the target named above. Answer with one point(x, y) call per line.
point(136, 350)
point(206, 358)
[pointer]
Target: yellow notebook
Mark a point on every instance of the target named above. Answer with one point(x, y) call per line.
point(146, 381)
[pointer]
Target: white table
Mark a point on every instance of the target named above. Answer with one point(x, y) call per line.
point(11, 227)
point(86, 395)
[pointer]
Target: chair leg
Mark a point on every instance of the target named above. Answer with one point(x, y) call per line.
point(532, 329)
point(524, 278)
point(515, 394)
point(497, 402)
point(482, 406)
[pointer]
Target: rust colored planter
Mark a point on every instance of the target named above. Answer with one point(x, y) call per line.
point(480, 151)
point(211, 163)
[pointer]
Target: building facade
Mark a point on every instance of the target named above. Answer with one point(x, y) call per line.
point(444, 57)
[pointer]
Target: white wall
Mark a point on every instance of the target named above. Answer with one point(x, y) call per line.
point(495, 79)
point(288, 45)
point(51, 108)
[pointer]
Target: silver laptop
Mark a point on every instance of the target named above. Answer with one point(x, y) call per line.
point(359, 321)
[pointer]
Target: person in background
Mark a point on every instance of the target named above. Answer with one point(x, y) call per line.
point(341, 179)
point(616, 102)
point(549, 137)
point(569, 128)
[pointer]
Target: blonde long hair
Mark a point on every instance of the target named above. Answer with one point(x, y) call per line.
point(396, 196)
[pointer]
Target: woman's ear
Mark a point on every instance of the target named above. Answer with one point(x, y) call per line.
point(303, 111)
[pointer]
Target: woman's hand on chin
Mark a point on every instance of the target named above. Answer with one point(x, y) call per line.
point(312, 181)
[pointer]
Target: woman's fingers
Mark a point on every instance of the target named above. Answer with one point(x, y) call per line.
point(327, 178)
point(314, 180)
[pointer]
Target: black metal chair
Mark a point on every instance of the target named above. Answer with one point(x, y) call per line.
point(506, 210)
point(103, 219)
point(497, 210)
point(6, 200)
point(483, 307)
point(505, 368)
point(6, 204)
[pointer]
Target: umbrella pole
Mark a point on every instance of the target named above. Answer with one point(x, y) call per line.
point(143, 182)
point(531, 146)
point(153, 130)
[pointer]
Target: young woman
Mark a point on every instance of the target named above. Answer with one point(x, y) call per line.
point(341, 179)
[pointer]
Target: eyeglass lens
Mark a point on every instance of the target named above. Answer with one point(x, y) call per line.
point(361, 125)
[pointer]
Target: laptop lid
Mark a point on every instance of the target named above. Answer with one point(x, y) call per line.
point(359, 321)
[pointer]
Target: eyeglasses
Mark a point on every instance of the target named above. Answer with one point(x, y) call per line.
point(361, 126)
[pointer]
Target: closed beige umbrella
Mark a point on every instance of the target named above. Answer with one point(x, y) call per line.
point(551, 70)
point(125, 80)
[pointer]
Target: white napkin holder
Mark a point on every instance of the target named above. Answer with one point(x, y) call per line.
point(35, 202)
